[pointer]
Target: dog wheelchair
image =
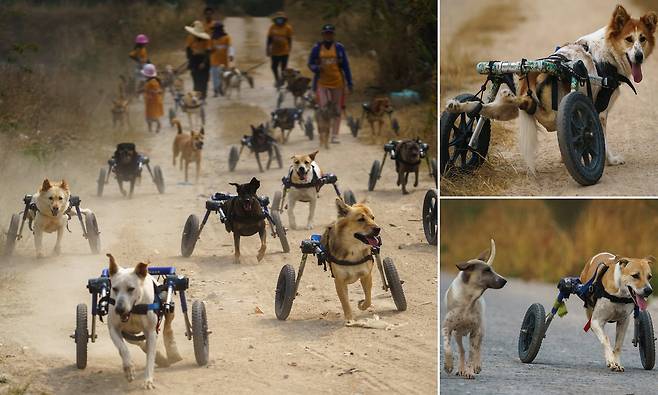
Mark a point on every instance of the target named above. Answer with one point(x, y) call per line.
point(216, 204)
point(535, 322)
point(390, 149)
point(431, 216)
point(286, 118)
point(179, 104)
point(130, 171)
point(465, 136)
point(89, 224)
point(168, 285)
point(317, 183)
point(287, 284)
point(257, 144)
point(355, 123)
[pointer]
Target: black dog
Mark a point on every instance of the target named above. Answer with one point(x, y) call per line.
point(407, 160)
point(127, 166)
point(285, 118)
point(261, 141)
point(245, 216)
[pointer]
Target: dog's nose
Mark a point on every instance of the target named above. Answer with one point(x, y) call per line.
point(120, 309)
point(376, 231)
point(648, 291)
point(639, 57)
point(503, 281)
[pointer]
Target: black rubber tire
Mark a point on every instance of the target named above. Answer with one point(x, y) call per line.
point(12, 234)
point(348, 197)
point(308, 128)
point(431, 217)
point(280, 231)
point(375, 172)
point(532, 333)
point(458, 136)
point(277, 155)
point(158, 178)
point(581, 139)
point(190, 235)
point(233, 157)
point(200, 333)
point(276, 201)
point(646, 340)
point(394, 284)
point(93, 234)
point(285, 292)
point(101, 182)
point(81, 336)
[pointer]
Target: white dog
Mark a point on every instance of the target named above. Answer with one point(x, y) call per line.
point(304, 173)
point(129, 315)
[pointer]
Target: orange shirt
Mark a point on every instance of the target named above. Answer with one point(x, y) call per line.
point(330, 74)
point(153, 99)
point(219, 54)
point(139, 54)
point(198, 46)
point(280, 36)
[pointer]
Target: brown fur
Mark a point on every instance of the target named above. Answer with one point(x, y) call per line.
point(379, 106)
point(189, 146)
point(408, 151)
point(246, 222)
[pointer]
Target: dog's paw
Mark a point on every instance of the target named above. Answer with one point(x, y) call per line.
point(614, 160)
point(405, 192)
point(57, 251)
point(614, 366)
point(161, 361)
point(447, 365)
point(236, 260)
point(309, 226)
point(362, 304)
point(453, 106)
point(174, 357)
point(148, 384)
point(477, 369)
point(466, 373)
point(129, 371)
point(260, 256)
point(350, 322)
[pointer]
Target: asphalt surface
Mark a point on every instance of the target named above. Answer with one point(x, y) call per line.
point(570, 361)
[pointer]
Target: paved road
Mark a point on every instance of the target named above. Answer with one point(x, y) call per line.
point(569, 362)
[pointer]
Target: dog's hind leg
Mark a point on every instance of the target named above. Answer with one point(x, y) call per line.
point(341, 290)
point(504, 108)
point(187, 165)
point(236, 244)
point(474, 354)
point(622, 326)
point(447, 347)
point(160, 359)
point(263, 243)
point(464, 370)
point(366, 284)
point(117, 339)
point(173, 355)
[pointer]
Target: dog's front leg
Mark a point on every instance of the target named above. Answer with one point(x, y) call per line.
point(117, 339)
point(132, 188)
point(597, 328)
point(291, 211)
point(236, 243)
point(366, 284)
point(311, 212)
point(405, 178)
point(622, 326)
point(341, 289)
point(187, 165)
point(611, 158)
point(447, 347)
point(465, 369)
point(151, 341)
point(38, 240)
point(416, 179)
point(474, 354)
point(263, 243)
point(260, 166)
point(198, 170)
point(58, 243)
point(123, 191)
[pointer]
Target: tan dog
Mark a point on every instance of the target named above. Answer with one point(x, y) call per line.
point(304, 171)
point(189, 146)
point(120, 112)
point(348, 241)
point(192, 104)
point(375, 111)
point(625, 278)
point(52, 202)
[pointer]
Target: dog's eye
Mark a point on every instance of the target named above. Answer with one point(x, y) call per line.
point(115, 289)
point(488, 269)
point(362, 219)
point(51, 198)
point(643, 39)
point(130, 289)
point(307, 162)
point(636, 276)
point(629, 39)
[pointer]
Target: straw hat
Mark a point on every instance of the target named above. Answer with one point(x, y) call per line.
point(198, 30)
point(149, 70)
point(280, 14)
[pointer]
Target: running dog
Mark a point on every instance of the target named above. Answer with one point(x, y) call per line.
point(626, 280)
point(296, 84)
point(375, 111)
point(232, 81)
point(285, 119)
point(323, 117)
point(119, 109)
point(615, 51)
point(189, 147)
point(132, 288)
point(407, 160)
point(464, 309)
point(304, 173)
point(348, 242)
point(192, 104)
point(127, 166)
point(245, 217)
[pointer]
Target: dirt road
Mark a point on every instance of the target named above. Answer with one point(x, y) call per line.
point(251, 352)
point(570, 361)
point(631, 125)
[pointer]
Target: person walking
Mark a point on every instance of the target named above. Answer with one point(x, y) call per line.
point(153, 94)
point(279, 44)
point(221, 54)
point(140, 55)
point(198, 56)
point(330, 66)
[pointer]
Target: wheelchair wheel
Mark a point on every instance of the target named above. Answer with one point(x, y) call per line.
point(233, 157)
point(101, 182)
point(190, 235)
point(430, 216)
point(581, 140)
point(646, 340)
point(276, 201)
point(532, 333)
point(200, 333)
point(280, 231)
point(375, 172)
point(285, 292)
point(348, 197)
point(158, 179)
point(93, 235)
point(81, 336)
point(394, 284)
point(308, 128)
point(456, 132)
point(12, 234)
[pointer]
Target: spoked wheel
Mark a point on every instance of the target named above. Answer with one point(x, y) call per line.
point(348, 197)
point(81, 336)
point(375, 172)
point(200, 332)
point(101, 182)
point(233, 157)
point(394, 284)
point(581, 140)
point(93, 235)
point(158, 179)
point(190, 235)
point(430, 216)
point(456, 132)
point(12, 234)
point(285, 292)
point(280, 231)
point(277, 155)
point(532, 333)
point(276, 201)
point(308, 128)
point(645, 339)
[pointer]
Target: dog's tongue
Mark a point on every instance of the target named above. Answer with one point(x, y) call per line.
point(373, 241)
point(636, 70)
point(641, 302)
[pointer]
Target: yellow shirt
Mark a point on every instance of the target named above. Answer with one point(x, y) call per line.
point(198, 46)
point(153, 99)
point(139, 54)
point(330, 74)
point(219, 54)
point(280, 36)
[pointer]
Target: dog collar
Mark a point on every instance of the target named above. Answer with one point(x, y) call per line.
point(343, 262)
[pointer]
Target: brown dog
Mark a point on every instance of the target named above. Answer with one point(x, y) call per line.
point(245, 217)
point(189, 146)
point(323, 117)
point(407, 160)
point(375, 111)
point(348, 242)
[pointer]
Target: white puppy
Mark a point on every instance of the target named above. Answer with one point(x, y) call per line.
point(304, 173)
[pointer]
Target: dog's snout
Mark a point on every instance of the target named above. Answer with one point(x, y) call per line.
point(376, 231)
point(120, 309)
point(502, 281)
point(639, 57)
point(647, 291)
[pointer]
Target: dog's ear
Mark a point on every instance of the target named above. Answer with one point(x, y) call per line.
point(235, 184)
point(114, 267)
point(64, 185)
point(141, 270)
point(650, 19)
point(254, 184)
point(651, 259)
point(312, 155)
point(464, 266)
point(46, 185)
point(623, 262)
point(484, 255)
point(619, 19)
point(342, 208)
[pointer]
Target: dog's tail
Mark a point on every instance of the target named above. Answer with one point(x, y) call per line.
point(528, 139)
point(176, 122)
